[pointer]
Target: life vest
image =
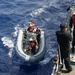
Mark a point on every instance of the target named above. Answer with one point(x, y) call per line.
point(73, 19)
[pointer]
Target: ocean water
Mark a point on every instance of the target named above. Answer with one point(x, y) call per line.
point(16, 15)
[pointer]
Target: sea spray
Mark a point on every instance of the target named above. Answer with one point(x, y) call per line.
point(9, 43)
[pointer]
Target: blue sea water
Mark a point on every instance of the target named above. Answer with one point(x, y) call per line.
point(16, 15)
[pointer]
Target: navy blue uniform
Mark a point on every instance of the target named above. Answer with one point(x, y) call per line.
point(64, 38)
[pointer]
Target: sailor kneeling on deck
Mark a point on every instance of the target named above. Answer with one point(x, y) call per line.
point(63, 39)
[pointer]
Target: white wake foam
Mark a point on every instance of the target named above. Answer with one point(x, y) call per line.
point(37, 12)
point(17, 28)
point(9, 43)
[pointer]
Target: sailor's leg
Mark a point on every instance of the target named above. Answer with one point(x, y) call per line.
point(68, 64)
point(67, 60)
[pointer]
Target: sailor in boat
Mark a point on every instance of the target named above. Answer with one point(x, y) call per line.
point(72, 30)
point(33, 46)
point(63, 39)
point(30, 37)
point(31, 32)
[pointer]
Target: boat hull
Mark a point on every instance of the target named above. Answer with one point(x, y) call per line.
point(27, 58)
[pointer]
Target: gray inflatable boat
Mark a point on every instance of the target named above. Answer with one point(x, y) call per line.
point(20, 50)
